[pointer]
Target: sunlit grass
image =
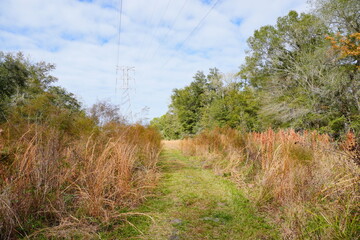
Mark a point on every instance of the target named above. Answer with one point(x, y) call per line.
point(304, 178)
point(56, 184)
point(194, 203)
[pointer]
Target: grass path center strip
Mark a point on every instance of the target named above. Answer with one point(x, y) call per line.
point(194, 203)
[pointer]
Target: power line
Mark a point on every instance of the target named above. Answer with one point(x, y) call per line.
point(118, 44)
point(171, 27)
point(119, 36)
point(194, 30)
point(152, 30)
point(158, 25)
point(123, 73)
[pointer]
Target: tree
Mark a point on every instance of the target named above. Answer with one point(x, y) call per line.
point(341, 15)
point(29, 97)
point(13, 74)
point(104, 112)
point(236, 107)
point(189, 101)
point(13, 78)
point(211, 100)
point(168, 125)
point(272, 47)
point(65, 99)
point(301, 80)
point(298, 73)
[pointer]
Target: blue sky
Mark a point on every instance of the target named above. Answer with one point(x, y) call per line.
point(80, 37)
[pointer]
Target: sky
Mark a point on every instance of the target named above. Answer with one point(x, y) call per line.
point(165, 41)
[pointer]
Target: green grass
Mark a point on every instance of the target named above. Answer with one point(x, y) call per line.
point(192, 203)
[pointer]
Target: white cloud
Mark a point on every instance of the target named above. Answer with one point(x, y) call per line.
point(80, 37)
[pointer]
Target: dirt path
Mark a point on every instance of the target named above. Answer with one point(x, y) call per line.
point(193, 203)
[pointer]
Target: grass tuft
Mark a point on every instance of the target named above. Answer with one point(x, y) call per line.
point(56, 184)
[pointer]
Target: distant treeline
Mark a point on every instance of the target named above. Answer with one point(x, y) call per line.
point(303, 72)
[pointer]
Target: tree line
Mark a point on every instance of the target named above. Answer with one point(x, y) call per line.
point(302, 72)
point(28, 94)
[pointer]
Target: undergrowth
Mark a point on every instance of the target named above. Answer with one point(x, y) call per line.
point(306, 181)
point(57, 184)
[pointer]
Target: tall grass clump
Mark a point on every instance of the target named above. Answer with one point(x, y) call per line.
point(54, 182)
point(65, 171)
point(307, 181)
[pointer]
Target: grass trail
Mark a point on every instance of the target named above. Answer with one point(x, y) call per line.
point(193, 203)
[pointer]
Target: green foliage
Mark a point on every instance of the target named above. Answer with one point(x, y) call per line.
point(13, 78)
point(215, 100)
point(301, 81)
point(27, 94)
point(292, 77)
point(236, 109)
point(188, 102)
point(340, 15)
point(13, 74)
point(62, 98)
point(168, 125)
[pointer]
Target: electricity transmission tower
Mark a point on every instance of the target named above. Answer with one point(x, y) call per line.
point(126, 74)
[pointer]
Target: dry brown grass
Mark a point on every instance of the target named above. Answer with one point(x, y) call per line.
point(172, 144)
point(306, 179)
point(61, 181)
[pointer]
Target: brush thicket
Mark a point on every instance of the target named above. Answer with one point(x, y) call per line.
point(50, 178)
point(305, 178)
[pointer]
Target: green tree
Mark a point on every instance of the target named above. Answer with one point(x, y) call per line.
point(13, 74)
point(213, 100)
point(341, 15)
point(29, 97)
point(168, 125)
point(13, 78)
point(272, 48)
point(236, 107)
point(188, 102)
point(300, 79)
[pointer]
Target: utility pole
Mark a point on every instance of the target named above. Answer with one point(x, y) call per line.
point(126, 75)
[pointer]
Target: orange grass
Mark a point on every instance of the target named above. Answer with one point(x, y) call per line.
point(299, 176)
point(172, 144)
point(51, 177)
